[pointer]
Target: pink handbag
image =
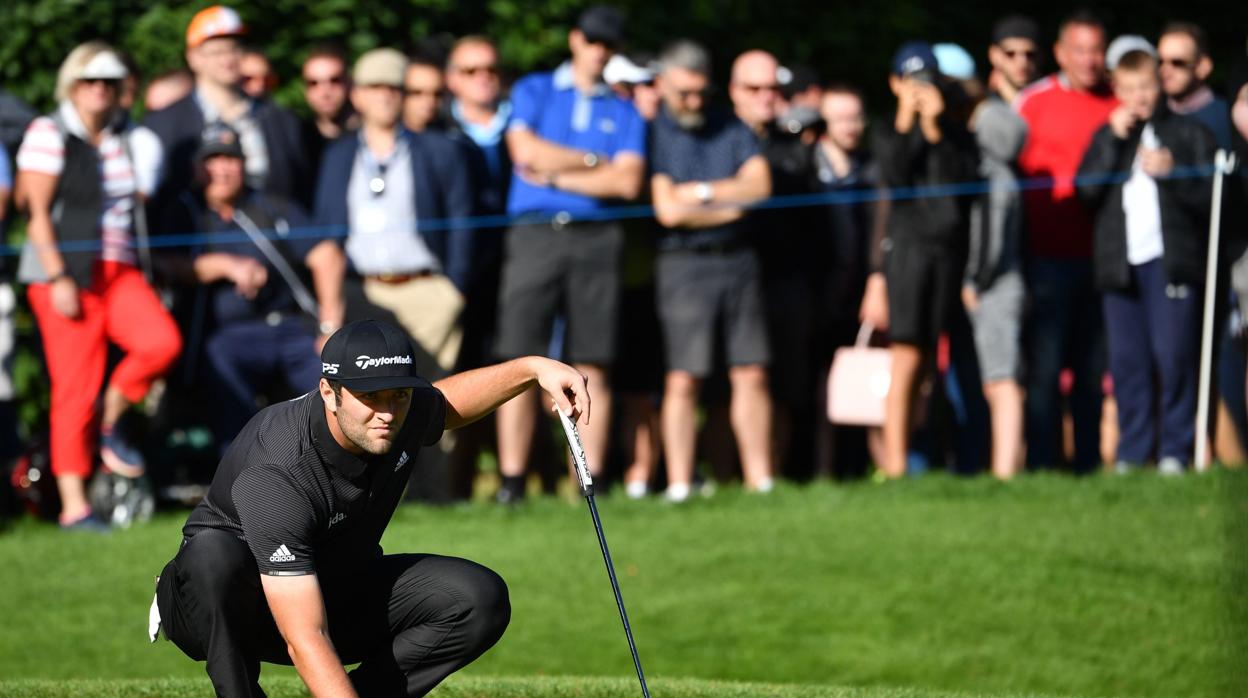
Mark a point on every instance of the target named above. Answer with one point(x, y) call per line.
point(858, 382)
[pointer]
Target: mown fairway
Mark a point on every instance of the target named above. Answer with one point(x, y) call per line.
point(931, 587)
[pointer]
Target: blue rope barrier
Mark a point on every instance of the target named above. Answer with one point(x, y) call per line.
point(630, 212)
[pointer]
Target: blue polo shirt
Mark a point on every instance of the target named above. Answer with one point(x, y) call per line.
point(549, 105)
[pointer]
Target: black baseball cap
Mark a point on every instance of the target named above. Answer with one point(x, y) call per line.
point(369, 355)
point(602, 24)
point(1016, 27)
point(218, 139)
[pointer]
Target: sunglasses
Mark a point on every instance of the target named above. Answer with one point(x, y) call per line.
point(1015, 53)
point(755, 89)
point(335, 80)
point(472, 70)
point(1180, 63)
point(107, 82)
point(418, 92)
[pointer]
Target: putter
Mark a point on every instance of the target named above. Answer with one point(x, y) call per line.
point(587, 491)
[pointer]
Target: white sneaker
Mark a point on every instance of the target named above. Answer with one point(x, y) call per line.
point(677, 493)
point(1171, 466)
point(636, 489)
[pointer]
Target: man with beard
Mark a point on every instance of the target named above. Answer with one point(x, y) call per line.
point(281, 562)
point(707, 168)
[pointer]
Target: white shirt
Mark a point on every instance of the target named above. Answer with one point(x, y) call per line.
point(383, 237)
point(1142, 207)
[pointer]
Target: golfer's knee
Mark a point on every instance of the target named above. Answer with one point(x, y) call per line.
point(490, 605)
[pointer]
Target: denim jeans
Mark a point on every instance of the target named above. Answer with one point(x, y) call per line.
point(1065, 330)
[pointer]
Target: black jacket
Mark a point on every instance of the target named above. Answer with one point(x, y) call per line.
point(1184, 199)
point(180, 125)
point(913, 174)
point(444, 197)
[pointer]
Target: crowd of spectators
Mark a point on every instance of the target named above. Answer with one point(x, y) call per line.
point(1032, 248)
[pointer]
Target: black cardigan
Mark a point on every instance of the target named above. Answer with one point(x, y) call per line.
point(1184, 199)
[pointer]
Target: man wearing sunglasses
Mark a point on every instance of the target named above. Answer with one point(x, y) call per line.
point(788, 268)
point(993, 289)
point(476, 113)
point(325, 87)
point(423, 90)
point(708, 167)
point(402, 199)
point(1185, 65)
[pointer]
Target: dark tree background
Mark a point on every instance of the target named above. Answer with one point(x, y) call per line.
point(848, 41)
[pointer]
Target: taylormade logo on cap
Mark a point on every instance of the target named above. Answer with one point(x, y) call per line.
point(371, 355)
point(366, 362)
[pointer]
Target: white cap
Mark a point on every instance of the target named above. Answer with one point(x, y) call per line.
point(106, 65)
point(622, 70)
point(1126, 44)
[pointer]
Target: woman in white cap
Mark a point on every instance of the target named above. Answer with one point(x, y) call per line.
point(83, 176)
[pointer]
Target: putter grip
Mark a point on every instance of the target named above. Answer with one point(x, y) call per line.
point(578, 454)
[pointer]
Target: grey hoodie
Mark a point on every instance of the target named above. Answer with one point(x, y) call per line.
point(996, 219)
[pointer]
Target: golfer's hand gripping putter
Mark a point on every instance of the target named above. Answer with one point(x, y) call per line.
point(580, 464)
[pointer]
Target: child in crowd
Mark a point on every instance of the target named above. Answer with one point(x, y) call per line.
point(1149, 253)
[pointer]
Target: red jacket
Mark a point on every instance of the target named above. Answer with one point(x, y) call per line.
point(1060, 124)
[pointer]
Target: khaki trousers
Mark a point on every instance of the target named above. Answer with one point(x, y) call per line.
point(429, 308)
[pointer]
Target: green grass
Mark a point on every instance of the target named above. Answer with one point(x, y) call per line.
point(480, 687)
point(1049, 585)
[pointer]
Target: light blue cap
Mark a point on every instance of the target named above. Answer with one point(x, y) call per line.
point(954, 61)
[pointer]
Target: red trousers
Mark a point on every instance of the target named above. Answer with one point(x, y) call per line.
point(121, 308)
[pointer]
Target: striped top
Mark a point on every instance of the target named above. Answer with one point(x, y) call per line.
point(43, 151)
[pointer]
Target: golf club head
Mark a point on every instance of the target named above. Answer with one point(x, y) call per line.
point(581, 465)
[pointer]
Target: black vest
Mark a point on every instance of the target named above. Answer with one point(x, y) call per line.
point(76, 207)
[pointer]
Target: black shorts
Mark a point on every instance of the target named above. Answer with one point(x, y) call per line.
point(698, 292)
point(572, 268)
point(924, 284)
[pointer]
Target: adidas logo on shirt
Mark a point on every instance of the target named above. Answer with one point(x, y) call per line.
point(281, 555)
point(402, 461)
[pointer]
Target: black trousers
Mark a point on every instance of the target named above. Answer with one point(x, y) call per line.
point(410, 620)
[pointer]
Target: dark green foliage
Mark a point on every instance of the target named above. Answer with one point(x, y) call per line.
point(849, 41)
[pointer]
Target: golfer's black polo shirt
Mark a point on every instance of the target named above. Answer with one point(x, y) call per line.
point(301, 502)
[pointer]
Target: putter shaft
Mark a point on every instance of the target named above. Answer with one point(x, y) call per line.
point(615, 587)
point(581, 465)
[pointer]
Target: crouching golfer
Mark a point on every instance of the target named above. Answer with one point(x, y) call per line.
point(282, 562)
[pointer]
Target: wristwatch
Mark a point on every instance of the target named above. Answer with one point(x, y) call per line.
point(591, 160)
point(704, 191)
